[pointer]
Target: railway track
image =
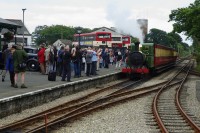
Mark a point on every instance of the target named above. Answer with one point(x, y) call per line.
point(51, 118)
point(34, 121)
point(169, 114)
point(101, 103)
point(194, 73)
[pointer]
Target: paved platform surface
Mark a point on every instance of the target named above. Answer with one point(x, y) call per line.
point(35, 81)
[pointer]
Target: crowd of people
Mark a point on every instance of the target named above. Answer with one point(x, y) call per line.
point(77, 60)
point(65, 61)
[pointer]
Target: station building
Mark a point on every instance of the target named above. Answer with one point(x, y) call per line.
point(18, 32)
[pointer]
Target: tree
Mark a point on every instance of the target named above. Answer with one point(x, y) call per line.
point(176, 36)
point(8, 36)
point(134, 39)
point(158, 37)
point(36, 35)
point(185, 46)
point(187, 20)
point(86, 30)
point(55, 32)
point(49, 34)
point(174, 39)
point(172, 42)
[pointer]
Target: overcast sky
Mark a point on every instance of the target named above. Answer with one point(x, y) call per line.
point(92, 13)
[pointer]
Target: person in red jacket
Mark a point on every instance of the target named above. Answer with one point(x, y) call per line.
point(41, 58)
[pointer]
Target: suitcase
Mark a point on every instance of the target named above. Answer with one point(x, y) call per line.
point(52, 76)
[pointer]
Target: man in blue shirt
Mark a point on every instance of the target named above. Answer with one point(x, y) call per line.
point(94, 62)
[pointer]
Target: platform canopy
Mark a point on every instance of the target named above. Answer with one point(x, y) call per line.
point(8, 24)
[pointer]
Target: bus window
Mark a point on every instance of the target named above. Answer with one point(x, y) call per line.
point(103, 35)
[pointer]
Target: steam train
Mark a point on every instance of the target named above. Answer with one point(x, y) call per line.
point(151, 59)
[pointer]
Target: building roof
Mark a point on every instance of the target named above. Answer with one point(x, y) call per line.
point(65, 41)
point(8, 24)
point(104, 29)
point(21, 29)
point(113, 30)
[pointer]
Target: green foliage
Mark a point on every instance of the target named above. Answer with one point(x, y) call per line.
point(171, 39)
point(183, 49)
point(185, 46)
point(172, 42)
point(187, 19)
point(176, 36)
point(195, 44)
point(55, 32)
point(36, 35)
point(197, 56)
point(134, 39)
point(49, 34)
point(198, 68)
point(196, 53)
point(8, 36)
point(158, 37)
point(86, 30)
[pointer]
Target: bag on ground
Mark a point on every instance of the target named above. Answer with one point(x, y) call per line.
point(52, 76)
point(52, 73)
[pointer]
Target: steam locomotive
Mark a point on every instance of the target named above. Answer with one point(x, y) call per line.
point(151, 59)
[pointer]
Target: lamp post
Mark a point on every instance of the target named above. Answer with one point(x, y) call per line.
point(23, 24)
point(79, 38)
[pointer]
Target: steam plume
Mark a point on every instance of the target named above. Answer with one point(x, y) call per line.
point(122, 19)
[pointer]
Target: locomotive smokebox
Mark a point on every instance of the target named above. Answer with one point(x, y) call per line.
point(137, 46)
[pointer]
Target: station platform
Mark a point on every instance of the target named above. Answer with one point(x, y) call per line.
point(40, 90)
point(35, 81)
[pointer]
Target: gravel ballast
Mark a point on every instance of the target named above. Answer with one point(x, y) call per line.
point(192, 103)
point(123, 118)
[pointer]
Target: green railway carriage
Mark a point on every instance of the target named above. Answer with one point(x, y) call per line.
point(151, 58)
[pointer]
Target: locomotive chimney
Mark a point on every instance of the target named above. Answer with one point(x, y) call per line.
point(137, 46)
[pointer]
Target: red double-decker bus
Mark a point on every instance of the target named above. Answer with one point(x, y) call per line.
point(121, 41)
point(94, 39)
point(126, 41)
